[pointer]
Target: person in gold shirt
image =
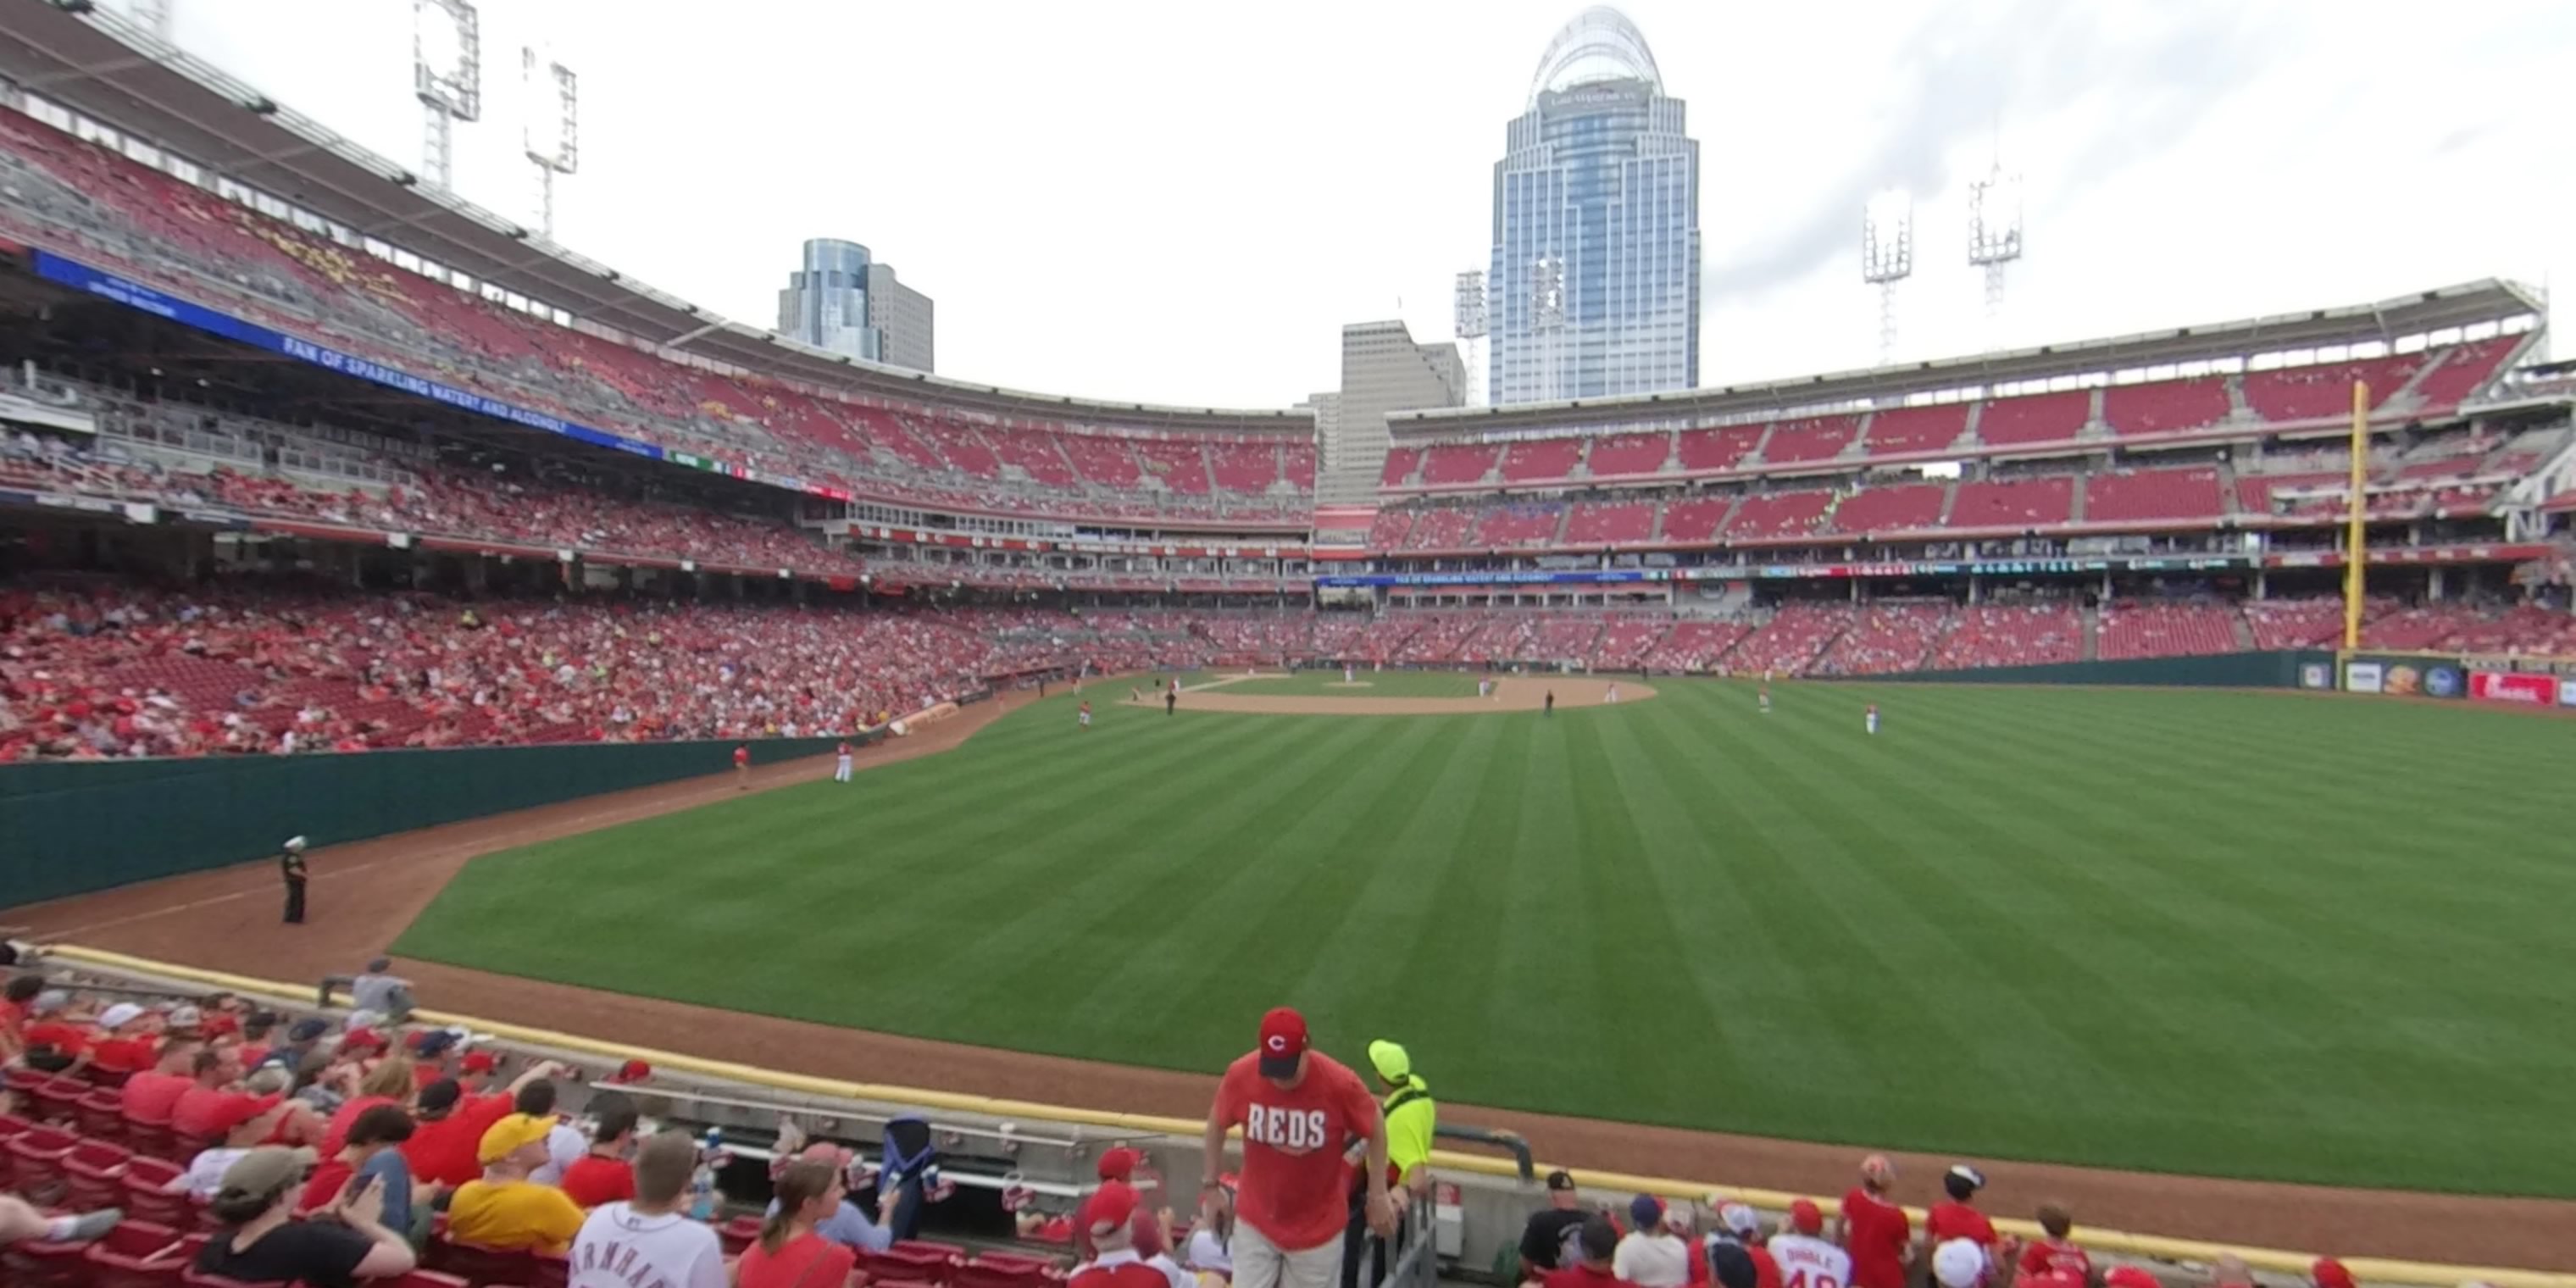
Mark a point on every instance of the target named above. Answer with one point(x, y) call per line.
point(506, 1210)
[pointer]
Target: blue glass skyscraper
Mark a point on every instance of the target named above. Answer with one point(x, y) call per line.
point(1594, 284)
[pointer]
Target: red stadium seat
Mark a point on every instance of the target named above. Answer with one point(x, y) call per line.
point(36, 1163)
point(93, 1175)
point(478, 1265)
point(101, 1115)
point(137, 1254)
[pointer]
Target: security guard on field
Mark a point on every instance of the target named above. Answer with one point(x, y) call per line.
point(1411, 1119)
point(290, 865)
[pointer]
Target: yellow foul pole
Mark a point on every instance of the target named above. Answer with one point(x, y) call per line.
point(2358, 502)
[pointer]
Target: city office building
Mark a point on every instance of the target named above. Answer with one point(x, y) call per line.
point(825, 303)
point(1383, 371)
point(1594, 280)
point(902, 318)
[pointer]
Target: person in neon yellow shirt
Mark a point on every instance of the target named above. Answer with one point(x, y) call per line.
point(1411, 1117)
point(505, 1209)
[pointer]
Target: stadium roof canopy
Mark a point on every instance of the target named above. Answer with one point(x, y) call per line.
point(2490, 302)
point(94, 62)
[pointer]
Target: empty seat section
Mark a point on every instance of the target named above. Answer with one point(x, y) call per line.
point(1539, 460)
point(1905, 507)
point(1620, 455)
point(2324, 391)
point(1610, 523)
point(1179, 464)
point(1386, 531)
point(2463, 371)
point(1450, 463)
point(1695, 520)
point(1718, 448)
point(1778, 515)
point(1247, 468)
point(1442, 528)
point(1102, 459)
point(2039, 418)
point(1401, 462)
point(2147, 496)
point(2165, 406)
point(2013, 504)
point(1035, 453)
point(1916, 429)
point(1819, 438)
point(1531, 523)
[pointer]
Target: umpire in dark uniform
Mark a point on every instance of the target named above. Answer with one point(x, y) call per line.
point(290, 864)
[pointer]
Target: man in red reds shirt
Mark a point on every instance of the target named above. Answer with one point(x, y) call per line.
point(1875, 1229)
point(1299, 1109)
point(2056, 1253)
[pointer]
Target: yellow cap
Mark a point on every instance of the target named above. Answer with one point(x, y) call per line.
point(1390, 1060)
point(512, 1134)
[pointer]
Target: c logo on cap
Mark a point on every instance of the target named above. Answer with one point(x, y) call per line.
point(1278, 1042)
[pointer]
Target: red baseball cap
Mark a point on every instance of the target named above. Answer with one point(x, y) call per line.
point(631, 1071)
point(363, 1040)
point(478, 1062)
point(1283, 1043)
point(1118, 1164)
point(2330, 1273)
point(2138, 1277)
point(1806, 1218)
point(237, 1110)
point(1111, 1206)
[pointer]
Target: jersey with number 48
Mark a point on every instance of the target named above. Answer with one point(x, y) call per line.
point(1807, 1262)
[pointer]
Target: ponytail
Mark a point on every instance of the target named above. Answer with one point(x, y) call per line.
point(803, 1182)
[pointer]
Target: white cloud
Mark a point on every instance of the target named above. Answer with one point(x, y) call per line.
point(1182, 202)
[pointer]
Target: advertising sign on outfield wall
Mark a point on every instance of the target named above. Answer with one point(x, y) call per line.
point(2405, 677)
point(2316, 675)
point(2567, 693)
point(2514, 686)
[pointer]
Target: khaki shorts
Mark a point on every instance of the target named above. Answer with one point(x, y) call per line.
point(1259, 1263)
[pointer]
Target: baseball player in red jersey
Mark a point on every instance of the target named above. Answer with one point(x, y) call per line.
point(742, 767)
point(1874, 1227)
point(841, 763)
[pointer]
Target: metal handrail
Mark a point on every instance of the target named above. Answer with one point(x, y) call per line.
point(1496, 1137)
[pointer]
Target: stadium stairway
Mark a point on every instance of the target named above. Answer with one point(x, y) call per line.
point(2092, 619)
point(2244, 629)
point(2075, 508)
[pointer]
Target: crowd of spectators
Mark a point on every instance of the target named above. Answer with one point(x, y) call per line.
point(95, 669)
point(99, 670)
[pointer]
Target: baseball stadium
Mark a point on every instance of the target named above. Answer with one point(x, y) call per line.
point(2127, 771)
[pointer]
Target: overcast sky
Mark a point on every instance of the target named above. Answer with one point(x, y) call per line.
point(1183, 202)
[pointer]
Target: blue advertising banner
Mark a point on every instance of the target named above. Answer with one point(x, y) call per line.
point(135, 295)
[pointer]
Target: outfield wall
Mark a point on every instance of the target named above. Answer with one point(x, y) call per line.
point(2280, 669)
point(71, 827)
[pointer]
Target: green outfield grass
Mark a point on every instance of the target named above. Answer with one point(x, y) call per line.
point(2243, 934)
point(1381, 684)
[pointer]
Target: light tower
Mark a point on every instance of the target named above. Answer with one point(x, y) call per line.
point(1887, 256)
point(1470, 325)
point(1994, 233)
point(1547, 324)
point(550, 136)
point(447, 78)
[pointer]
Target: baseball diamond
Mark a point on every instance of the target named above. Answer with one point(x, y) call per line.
point(2230, 934)
point(2112, 758)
